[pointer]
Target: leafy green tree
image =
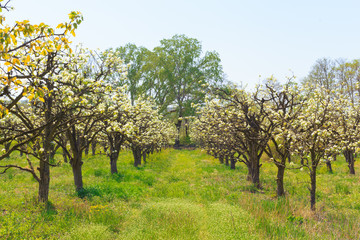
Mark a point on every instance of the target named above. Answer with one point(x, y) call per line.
point(136, 58)
point(187, 74)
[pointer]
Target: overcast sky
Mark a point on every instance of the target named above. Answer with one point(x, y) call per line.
point(253, 38)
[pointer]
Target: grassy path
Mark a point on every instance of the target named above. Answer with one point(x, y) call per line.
point(176, 211)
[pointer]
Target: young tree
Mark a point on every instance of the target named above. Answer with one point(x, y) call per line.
point(114, 125)
point(348, 75)
point(315, 134)
point(284, 108)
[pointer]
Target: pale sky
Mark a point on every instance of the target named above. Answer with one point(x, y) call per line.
point(263, 37)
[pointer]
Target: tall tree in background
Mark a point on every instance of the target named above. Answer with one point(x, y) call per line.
point(136, 58)
point(175, 75)
point(322, 74)
point(187, 72)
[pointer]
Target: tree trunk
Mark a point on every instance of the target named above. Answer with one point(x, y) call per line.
point(227, 160)
point(280, 180)
point(313, 188)
point(137, 155)
point(329, 167)
point(233, 162)
point(177, 138)
point(93, 147)
point(86, 150)
point(350, 159)
point(65, 157)
point(221, 159)
point(144, 156)
point(77, 172)
point(105, 148)
point(53, 151)
point(44, 168)
point(254, 174)
point(7, 148)
point(351, 163)
point(113, 162)
point(254, 168)
point(44, 182)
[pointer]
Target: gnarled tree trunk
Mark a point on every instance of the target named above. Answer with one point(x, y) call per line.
point(76, 165)
point(136, 150)
point(113, 161)
point(350, 159)
point(254, 167)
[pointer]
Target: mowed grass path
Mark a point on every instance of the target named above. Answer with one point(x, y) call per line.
point(178, 194)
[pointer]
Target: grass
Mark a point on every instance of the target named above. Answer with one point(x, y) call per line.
point(178, 194)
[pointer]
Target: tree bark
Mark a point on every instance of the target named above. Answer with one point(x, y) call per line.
point(137, 155)
point(313, 188)
point(233, 162)
point(76, 144)
point(7, 148)
point(227, 160)
point(86, 150)
point(113, 162)
point(65, 157)
point(53, 151)
point(44, 182)
point(93, 147)
point(144, 156)
point(254, 167)
point(350, 159)
point(329, 167)
point(280, 180)
point(44, 168)
point(221, 159)
point(77, 172)
point(254, 174)
point(177, 138)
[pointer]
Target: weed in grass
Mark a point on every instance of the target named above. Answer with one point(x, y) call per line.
point(342, 188)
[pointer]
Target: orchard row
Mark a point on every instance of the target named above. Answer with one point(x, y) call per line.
point(309, 121)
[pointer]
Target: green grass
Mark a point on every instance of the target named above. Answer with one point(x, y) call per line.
point(178, 194)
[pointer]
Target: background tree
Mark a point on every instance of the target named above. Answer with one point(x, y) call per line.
point(348, 76)
point(136, 58)
point(186, 73)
